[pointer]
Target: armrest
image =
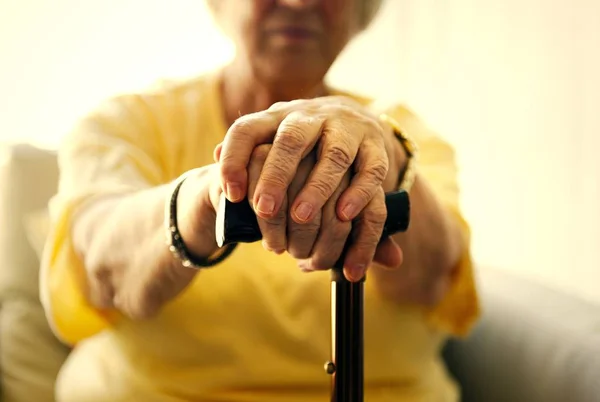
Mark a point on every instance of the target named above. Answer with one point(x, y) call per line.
point(28, 178)
point(533, 344)
point(30, 355)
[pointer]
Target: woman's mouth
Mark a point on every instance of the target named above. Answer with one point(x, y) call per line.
point(294, 34)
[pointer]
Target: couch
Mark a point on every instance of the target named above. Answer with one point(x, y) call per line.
point(533, 344)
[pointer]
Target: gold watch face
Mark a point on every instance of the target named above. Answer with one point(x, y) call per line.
point(409, 146)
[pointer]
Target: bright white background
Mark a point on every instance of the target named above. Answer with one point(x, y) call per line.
point(513, 84)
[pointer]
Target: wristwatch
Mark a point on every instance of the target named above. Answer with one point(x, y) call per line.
point(408, 174)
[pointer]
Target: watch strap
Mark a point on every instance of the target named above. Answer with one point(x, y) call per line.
point(408, 174)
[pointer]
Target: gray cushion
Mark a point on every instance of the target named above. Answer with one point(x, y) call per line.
point(532, 345)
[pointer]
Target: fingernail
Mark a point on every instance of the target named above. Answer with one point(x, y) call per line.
point(266, 204)
point(303, 211)
point(234, 192)
point(349, 212)
point(356, 272)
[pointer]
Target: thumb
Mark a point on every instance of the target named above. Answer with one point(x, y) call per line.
point(214, 186)
point(389, 254)
point(217, 152)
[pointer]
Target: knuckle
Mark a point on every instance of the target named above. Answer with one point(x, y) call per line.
point(242, 126)
point(365, 194)
point(301, 117)
point(374, 127)
point(231, 164)
point(283, 105)
point(229, 171)
point(274, 178)
point(323, 187)
point(376, 216)
point(378, 170)
point(345, 108)
point(367, 240)
point(260, 153)
point(374, 220)
point(339, 155)
point(291, 138)
point(277, 106)
point(298, 102)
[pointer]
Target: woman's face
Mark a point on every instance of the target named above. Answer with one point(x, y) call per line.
point(289, 41)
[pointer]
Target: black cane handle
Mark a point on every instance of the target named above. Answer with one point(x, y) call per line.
point(237, 223)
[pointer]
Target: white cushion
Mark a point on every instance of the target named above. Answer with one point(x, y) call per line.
point(30, 355)
point(28, 178)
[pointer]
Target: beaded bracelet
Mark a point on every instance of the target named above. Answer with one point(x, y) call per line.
point(175, 241)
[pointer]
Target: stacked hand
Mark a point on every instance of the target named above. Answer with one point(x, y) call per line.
point(313, 171)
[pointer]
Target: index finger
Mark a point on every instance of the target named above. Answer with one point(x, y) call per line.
point(295, 138)
point(245, 134)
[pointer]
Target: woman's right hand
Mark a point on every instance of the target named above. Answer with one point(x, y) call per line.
point(197, 203)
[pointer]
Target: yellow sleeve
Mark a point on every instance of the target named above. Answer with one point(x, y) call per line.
point(111, 151)
point(436, 164)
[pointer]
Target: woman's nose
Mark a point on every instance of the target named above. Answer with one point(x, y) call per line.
point(299, 4)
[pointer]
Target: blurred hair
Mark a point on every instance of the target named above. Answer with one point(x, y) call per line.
point(368, 10)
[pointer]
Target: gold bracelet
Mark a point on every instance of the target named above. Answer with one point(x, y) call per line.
point(409, 173)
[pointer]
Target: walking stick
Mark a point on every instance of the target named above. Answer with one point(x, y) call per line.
point(236, 223)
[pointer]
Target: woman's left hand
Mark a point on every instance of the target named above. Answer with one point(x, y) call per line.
point(347, 137)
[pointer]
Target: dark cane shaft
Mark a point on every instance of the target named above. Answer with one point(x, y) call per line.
point(347, 348)
point(237, 223)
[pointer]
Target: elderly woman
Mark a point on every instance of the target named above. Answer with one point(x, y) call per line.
point(150, 321)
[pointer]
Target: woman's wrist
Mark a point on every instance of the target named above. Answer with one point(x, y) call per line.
point(397, 158)
point(406, 152)
point(196, 216)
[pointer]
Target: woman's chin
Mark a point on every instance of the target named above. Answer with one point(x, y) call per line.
point(292, 73)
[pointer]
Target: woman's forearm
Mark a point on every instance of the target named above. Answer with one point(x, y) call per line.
point(431, 247)
point(122, 242)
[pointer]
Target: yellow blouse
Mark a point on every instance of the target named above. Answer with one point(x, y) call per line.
point(252, 329)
